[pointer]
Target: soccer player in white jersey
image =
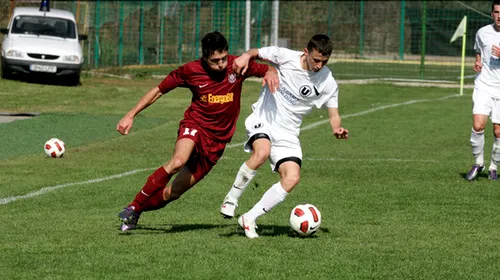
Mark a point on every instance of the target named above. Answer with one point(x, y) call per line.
point(486, 95)
point(273, 127)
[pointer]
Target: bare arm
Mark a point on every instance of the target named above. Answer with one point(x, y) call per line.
point(478, 65)
point(271, 79)
point(336, 124)
point(240, 64)
point(495, 51)
point(125, 124)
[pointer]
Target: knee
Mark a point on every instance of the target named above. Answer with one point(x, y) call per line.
point(478, 124)
point(175, 164)
point(170, 195)
point(477, 127)
point(260, 155)
point(289, 181)
point(496, 132)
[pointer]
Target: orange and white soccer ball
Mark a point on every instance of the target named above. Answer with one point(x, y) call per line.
point(54, 148)
point(305, 219)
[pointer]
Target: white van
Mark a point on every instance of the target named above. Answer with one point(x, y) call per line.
point(42, 40)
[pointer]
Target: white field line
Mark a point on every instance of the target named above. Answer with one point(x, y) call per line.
point(318, 123)
point(53, 188)
point(45, 190)
point(374, 160)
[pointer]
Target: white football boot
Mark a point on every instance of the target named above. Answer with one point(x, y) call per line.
point(227, 209)
point(248, 226)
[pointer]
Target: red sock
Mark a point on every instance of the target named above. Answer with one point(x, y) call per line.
point(155, 202)
point(156, 181)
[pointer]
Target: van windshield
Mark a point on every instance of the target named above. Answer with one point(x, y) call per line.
point(42, 25)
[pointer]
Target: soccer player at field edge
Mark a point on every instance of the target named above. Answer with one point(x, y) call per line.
point(273, 127)
point(486, 95)
point(208, 124)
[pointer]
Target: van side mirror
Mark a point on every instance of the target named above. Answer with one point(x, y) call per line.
point(82, 37)
point(4, 30)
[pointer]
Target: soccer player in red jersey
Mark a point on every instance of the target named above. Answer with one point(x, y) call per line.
point(208, 124)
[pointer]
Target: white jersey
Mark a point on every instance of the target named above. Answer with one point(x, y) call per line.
point(299, 90)
point(488, 80)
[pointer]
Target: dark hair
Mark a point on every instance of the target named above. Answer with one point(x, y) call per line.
point(321, 43)
point(212, 42)
point(495, 2)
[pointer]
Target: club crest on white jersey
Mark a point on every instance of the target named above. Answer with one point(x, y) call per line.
point(299, 90)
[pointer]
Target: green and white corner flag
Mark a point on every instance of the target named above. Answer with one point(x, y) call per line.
point(461, 32)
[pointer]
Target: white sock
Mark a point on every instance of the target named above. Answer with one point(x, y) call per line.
point(241, 182)
point(477, 144)
point(274, 196)
point(495, 155)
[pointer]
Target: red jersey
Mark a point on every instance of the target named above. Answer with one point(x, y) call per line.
point(215, 104)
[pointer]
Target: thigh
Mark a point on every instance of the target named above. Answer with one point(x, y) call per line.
point(482, 103)
point(257, 128)
point(285, 146)
point(188, 130)
point(206, 155)
point(289, 168)
point(184, 148)
point(495, 112)
point(188, 137)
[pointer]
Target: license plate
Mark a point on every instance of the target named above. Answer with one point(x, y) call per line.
point(43, 68)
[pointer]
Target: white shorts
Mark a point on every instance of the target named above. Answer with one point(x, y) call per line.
point(284, 144)
point(484, 104)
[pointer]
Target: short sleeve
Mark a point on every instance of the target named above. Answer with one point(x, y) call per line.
point(174, 79)
point(478, 44)
point(333, 102)
point(333, 93)
point(256, 69)
point(271, 54)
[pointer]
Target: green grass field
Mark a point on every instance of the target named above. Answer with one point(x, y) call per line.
point(393, 198)
point(345, 70)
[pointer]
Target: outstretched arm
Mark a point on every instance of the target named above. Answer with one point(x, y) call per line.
point(336, 123)
point(241, 67)
point(125, 124)
point(240, 64)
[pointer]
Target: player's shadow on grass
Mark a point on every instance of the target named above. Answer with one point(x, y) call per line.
point(263, 230)
point(173, 228)
point(272, 231)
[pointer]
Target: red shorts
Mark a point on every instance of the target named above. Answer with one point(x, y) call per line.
point(206, 151)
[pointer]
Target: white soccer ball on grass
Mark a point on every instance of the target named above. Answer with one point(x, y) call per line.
point(54, 148)
point(305, 219)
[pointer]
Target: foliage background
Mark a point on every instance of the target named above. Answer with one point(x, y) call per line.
point(169, 32)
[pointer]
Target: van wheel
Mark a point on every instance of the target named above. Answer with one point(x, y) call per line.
point(5, 73)
point(74, 80)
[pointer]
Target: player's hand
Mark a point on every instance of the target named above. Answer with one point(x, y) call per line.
point(478, 66)
point(495, 51)
point(271, 79)
point(124, 125)
point(240, 64)
point(341, 133)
